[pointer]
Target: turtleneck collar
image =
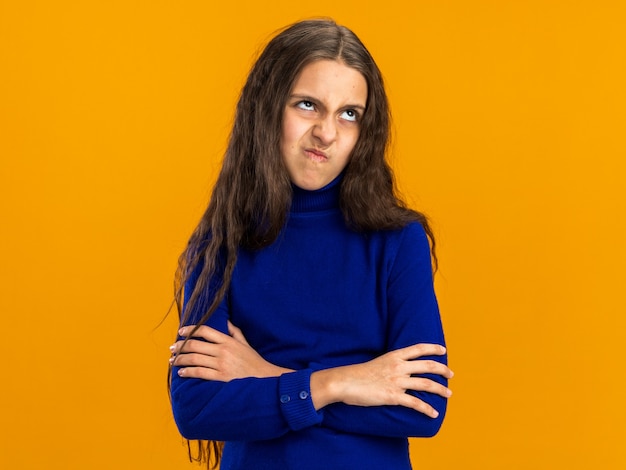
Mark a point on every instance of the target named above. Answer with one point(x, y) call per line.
point(318, 200)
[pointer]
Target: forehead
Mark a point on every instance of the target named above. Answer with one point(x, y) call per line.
point(326, 79)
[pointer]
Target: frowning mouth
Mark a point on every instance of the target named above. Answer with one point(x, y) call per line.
point(315, 155)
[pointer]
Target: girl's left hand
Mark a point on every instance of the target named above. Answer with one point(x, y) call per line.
point(219, 357)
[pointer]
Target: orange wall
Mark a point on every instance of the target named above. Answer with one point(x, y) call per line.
point(510, 122)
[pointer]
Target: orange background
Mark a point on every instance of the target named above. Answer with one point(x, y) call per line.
point(510, 125)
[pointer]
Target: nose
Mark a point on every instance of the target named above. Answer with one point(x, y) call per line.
point(325, 130)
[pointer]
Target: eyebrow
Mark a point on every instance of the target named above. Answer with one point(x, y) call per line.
point(315, 100)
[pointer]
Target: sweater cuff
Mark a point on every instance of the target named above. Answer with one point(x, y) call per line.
point(294, 390)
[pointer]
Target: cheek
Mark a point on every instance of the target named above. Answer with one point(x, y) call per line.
point(286, 141)
point(292, 131)
point(351, 143)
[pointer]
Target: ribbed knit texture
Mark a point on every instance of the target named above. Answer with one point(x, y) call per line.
point(320, 296)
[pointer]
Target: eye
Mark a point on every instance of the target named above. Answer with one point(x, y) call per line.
point(306, 105)
point(350, 115)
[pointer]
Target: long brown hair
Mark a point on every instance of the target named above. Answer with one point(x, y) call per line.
point(252, 195)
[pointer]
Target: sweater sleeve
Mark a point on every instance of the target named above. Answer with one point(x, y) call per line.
point(413, 318)
point(242, 409)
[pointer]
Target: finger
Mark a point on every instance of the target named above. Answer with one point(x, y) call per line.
point(418, 384)
point(416, 404)
point(194, 346)
point(421, 349)
point(428, 367)
point(205, 332)
point(200, 373)
point(195, 360)
point(236, 333)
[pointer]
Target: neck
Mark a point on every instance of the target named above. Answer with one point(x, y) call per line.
point(322, 199)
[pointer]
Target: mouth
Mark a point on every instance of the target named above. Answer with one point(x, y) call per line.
point(315, 155)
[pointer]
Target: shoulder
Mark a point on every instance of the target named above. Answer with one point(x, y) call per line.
point(411, 237)
point(409, 250)
point(414, 231)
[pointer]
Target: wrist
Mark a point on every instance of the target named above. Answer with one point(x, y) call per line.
point(324, 387)
point(272, 370)
point(283, 370)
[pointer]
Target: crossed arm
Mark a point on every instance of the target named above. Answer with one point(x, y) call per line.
point(381, 381)
point(223, 389)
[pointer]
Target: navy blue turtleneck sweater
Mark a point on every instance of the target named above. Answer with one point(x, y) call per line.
point(320, 296)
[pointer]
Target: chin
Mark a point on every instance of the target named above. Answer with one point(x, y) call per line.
point(309, 185)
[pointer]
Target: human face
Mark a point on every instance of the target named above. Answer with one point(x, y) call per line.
point(321, 122)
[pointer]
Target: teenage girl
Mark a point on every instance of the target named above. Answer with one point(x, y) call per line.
point(310, 334)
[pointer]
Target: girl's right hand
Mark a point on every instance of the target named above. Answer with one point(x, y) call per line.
point(384, 380)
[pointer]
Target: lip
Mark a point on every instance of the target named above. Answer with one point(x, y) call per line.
point(315, 155)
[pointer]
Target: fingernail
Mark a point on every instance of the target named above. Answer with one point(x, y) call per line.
point(435, 414)
point(181, 372)
point(172, 348)
point(181, 331)
point(171, 359)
